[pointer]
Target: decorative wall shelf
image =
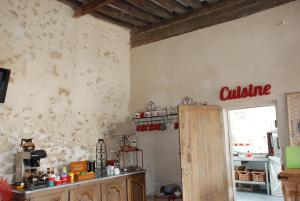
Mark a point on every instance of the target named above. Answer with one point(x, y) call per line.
point(154, 118)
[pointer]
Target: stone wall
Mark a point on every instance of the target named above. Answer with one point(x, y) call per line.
point(69, 81)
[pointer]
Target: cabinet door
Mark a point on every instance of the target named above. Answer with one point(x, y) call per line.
point(85, 193)
point(203, 160)
point(54, 196)
point(19, 197)
point(136, 188)
point(114, 190)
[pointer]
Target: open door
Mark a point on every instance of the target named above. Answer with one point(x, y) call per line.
point(203, 161)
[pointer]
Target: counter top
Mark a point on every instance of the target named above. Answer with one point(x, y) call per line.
point(250, 159)
point(73, 184)
point(285, 174)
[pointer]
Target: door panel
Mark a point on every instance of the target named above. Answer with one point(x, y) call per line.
point(86, 193)
point(136, 189)
point(203, 162)
point(55, 196)
point(114, 190)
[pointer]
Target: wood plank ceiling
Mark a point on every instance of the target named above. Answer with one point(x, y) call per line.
point(154, 20)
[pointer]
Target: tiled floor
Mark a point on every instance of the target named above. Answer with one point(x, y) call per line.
point(245, 196)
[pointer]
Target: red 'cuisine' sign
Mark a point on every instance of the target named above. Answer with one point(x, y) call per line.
point(248, 91)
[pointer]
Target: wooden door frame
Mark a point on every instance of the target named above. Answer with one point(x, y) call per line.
point(228, 140)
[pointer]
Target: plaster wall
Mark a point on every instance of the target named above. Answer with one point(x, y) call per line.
point(69, 84)
point(259, 49)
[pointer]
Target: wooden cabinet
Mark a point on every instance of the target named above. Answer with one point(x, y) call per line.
point(19, 197)
point(136, 188)
point(54, 195)
point(114, 190)
point(85, 193)
point(107, 189)
point(290, 180)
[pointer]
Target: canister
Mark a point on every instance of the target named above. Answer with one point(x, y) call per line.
point(91, 165)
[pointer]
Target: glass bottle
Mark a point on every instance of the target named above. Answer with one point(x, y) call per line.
point(101, 156)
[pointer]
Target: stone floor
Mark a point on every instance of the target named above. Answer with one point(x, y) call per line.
point(245, 196)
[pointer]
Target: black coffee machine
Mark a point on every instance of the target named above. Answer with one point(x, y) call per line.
point(28, 162)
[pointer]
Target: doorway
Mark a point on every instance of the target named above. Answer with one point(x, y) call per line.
point(255, 153)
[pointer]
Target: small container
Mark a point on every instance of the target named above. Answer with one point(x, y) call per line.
point(51, 182)
point(91, 165)
point(110, 170)
point(64, 179)
point(57, 182)
point(71, 177)
point(147, 114)
point(64, 170)
point(117, 171)
point(155, 113)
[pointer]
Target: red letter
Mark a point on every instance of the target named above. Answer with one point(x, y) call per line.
point(232, 94)
point(267, 89)
point(222, 95)
point(251, 91)
point(238, 92)
point(258, 91)
point(245, 92)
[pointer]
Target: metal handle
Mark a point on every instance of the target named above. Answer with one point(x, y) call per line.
point(187, 172)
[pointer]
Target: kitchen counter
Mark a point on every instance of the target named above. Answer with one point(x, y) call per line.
point(250, 159)
point(29, 194)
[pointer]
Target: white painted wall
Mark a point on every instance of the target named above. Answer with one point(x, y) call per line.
point(262, 48)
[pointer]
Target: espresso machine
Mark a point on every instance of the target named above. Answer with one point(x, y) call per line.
point(28, 163)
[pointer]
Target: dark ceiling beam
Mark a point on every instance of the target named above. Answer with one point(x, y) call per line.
point(173, 6)
point(76, 4)
point(192, 3)
point(90, 7)
point(203, 17)
point(106, 18)
point(134, 11)
point(119, 15)
point(152, 8)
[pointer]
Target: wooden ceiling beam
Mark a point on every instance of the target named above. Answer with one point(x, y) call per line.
point(173, 6)
point(134, 11)
point(76, 4)
point(192, 3)
point(119, 15)
point(213, 14)
point(90, 7)
point(152, 8)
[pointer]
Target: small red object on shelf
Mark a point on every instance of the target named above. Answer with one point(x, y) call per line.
point(176, 125)
point(57, 182)
point(249, 154)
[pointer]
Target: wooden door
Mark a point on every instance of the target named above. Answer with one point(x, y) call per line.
point(203, 162)
point(86, 193)
point(114, 190)
point(136, 188)
point(55, 195)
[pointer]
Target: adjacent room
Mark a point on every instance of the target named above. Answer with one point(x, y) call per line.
point(149, 100)
point(256, 153)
